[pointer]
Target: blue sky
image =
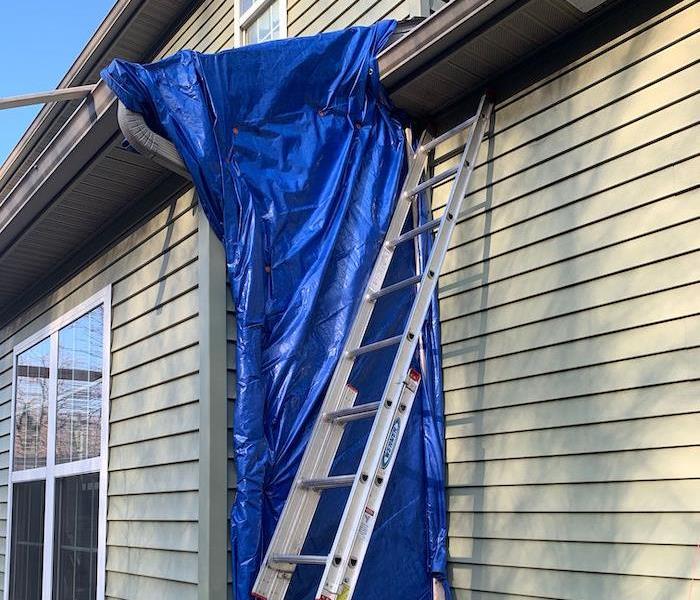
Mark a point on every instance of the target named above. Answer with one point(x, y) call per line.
point(39, 40)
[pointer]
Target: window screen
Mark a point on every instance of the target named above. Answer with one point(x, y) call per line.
point(75, 537)
point(58, 441)
point(27, 547)
point(79, 399)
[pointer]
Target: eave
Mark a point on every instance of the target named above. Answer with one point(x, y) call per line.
point(70, 176)
point(467, 44)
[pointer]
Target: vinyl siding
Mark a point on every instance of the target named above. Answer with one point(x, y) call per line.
point(308, 17)
point(209, 29)
point(571, 330)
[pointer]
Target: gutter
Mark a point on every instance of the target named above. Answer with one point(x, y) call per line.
point(76, 132)
point(88, 130)
point(435, 37)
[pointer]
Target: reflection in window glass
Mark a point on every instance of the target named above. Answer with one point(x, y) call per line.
point(31, 407)
point(79, 400)
point(266, 27)
point(27, 546)
point(245, 5)
point(75, 540)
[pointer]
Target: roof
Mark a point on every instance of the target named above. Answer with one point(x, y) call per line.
point(70, 179)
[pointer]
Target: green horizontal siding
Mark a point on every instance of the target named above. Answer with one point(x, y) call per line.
point(571, 332)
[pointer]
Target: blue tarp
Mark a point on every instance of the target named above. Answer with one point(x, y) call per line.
point(297, 156)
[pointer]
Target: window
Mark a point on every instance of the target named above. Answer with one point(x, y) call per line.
point(58, 476)
point(260, 21)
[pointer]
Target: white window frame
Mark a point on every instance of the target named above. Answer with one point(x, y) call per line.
point(243, 21)
point(53, 471)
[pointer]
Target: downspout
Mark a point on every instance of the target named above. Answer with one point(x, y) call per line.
point(147, 142)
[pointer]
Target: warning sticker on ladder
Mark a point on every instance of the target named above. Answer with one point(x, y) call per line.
point(366, 524)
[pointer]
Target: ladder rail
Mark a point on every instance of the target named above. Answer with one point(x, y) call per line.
point(325, 437)
point(350, 523)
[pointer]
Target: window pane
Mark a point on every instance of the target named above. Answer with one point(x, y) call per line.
point(75, 540)
point(31, 407)
point(266, 27)
point(27, 544)
point(275, 19)
point(79, 401)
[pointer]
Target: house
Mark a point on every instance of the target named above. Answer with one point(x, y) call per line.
point(568, 305)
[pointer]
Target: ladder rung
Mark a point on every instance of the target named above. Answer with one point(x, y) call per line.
point(447, 135)
point(327, 483)
point(392, 341)
point(432, 182)
point(394, 287)
point(354, 413)
point(298, 559)
point(409, 235)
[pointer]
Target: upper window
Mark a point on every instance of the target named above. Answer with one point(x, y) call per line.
point(260, 21)
point(57, 480)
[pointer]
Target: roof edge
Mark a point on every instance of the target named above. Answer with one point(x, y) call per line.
point(435, 36)
point(115, 21)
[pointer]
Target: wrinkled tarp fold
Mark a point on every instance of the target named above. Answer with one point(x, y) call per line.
point(297, 157)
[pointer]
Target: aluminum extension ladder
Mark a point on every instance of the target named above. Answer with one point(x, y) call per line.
point(344, 561)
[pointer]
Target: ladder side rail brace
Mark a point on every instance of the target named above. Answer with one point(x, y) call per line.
point(337, 564)
point(299, 510)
